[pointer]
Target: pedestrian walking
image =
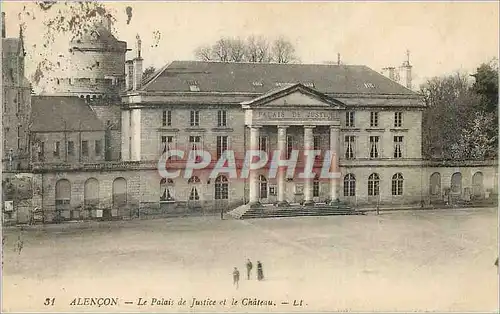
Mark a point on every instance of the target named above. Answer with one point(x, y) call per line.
point(260, 271)
point(249, 268)
point(236, 277)
point(496, 262)
point(20, 244)
point(222, 214)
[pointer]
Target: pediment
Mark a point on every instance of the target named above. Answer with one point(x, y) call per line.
point(295, 96)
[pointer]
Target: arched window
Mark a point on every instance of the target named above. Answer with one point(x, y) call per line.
point(194, 180)
point(193, 194)
point(63, 192)
point(456, 182)
point(221, 188)
point(349, 185)
point(397, 184)
point(63, 199)
point(119, 192)
point(316, 186)
point(166, 190)
point(91, 192)
point(477, 185)
point(373, 184)
point(263, 186)
point(435, 184)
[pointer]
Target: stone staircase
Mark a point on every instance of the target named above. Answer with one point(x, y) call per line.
point(293, 210)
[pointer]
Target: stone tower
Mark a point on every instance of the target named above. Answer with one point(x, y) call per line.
point(16, 103)
point(96, 73)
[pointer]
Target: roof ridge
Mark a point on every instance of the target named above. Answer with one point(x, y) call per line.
point(155, 75)
point(271, 63)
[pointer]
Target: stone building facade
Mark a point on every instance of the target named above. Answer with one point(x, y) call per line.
point(369, 124)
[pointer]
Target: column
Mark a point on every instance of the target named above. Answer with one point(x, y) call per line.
point(254, 175)
point(125, 134)
point(136, 134)
point(335, 153)
point(281, 171)
point(308, 146)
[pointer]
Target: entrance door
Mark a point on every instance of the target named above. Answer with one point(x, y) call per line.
point(263, 189)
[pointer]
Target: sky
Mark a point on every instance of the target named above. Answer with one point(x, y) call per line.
point(442, 37)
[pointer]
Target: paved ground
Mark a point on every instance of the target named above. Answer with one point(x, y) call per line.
point(404, 261)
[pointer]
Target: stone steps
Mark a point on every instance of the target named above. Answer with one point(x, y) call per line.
point(247, 212)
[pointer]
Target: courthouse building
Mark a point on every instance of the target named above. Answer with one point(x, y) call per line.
point(113, 127)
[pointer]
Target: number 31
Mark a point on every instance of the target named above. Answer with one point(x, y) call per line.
point(49, 301)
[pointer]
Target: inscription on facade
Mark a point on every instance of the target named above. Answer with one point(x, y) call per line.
point(295, 115)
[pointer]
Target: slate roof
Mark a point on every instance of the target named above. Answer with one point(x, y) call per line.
point(59, 113)
point(262, 77)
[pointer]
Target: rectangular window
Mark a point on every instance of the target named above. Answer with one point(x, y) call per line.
point(167, 144)
point(98, 147)
point(316, 188)
point(317, 145)
point(71, 148)
point(263, 143)
point(398, 119)
point(374, 146)
point(373, 119)
point(195, 118)
point(221, 145)
point(19, 101)
point(57, 149)
point(289, 146)
point(195, 144)
point(349, 146)
point(18, 136)
point(41, 150)
point(398, 145)
point(85, 148)
point(166, 118)
point(349, 119)
point(222, 118)
point(5, 108)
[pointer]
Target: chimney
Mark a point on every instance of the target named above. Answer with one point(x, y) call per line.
point(405, 69)
point(137, 65)
point(338, 58)
point(390, 72)
point(129, 74)
point(3, 25)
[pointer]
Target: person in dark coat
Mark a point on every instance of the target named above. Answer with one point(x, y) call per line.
point(496, 262)
point(249, 268)
point(236, 277)
point(260, 271)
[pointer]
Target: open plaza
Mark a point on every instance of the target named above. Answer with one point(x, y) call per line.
point(428, 260)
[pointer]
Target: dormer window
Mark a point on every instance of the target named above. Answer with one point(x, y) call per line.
point(193, 86)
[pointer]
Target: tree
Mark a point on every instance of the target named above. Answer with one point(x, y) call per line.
point(449, 102)
point(148, 72)
point(62, 20)
point(257, 49)
point(253, 49)
point(456, 124)
point(203, 53)
point(283, 51)
point(486, 85)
